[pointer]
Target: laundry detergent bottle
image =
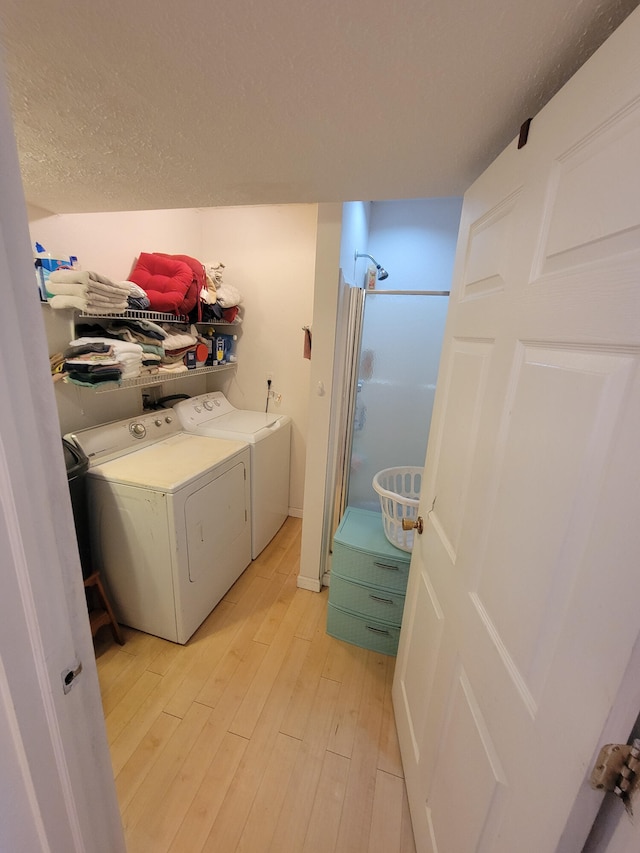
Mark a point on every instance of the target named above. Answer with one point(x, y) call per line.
point(45, 264)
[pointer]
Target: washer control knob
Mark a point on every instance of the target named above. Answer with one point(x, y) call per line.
point(158, 422)
point(137, 430)
point(198, 409)
point(208, 405)
point(169, 419)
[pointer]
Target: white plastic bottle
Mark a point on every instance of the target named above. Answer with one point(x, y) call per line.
point(45, 264)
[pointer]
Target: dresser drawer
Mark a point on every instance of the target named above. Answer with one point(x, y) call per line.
point(366, 601)
point(388, 572)
point(363, 632)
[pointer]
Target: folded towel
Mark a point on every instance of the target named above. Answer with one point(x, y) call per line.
point(98, 309)
point(137, 325)
point(135, 290)
point(103, 310)
point(67, 288)
point(77, 302)
point(83, 349)
point(208, 294)
point(91, 360)
point(228, 295)
point(139, 303)
point(94, 369)
point(176, 368)
point(152, 349)
point(168, 361)
point(89, 304)
point(135, 337)
point(56, 363)
point(93, 382)
point(105, 299)
point(85, 277)
point(114, 289)
point(118, 346)
point(215, 271)
point(177, 340)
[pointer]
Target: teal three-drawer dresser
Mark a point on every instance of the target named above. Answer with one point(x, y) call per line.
point(368, 583)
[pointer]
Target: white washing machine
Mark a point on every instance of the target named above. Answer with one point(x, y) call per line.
point(269, 437)
point(170, 519)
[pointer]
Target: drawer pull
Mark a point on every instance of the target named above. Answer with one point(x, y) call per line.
point(381, 600)
point(378, 630)
point(387, 566)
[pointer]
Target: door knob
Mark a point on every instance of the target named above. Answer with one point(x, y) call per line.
point(413, 524)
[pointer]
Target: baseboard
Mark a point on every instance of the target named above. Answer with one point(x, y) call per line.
point(309, 583)
point(295, 512)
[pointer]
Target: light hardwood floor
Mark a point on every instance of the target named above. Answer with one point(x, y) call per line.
point(261, 734)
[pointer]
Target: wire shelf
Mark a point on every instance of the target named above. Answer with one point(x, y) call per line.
point(157, 378)
point(135, 314)
point(153, 316)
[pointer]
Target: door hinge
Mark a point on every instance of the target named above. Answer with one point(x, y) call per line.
point(617, 770)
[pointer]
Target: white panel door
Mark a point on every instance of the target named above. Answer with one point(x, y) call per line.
point(56, 782)
point(521, 609)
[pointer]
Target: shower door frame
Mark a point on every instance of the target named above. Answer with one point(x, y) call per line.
point(337, 500)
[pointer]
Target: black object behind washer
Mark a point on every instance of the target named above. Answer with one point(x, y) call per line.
point(77, 465)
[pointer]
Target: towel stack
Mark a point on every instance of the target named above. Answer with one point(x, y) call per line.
point(143, 332)
point(91, 364)
point(223, 300)
point(87, 291)
point(176, 345)
point(126, 357)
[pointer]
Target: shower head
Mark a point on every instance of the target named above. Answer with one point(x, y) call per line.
point(382, 273)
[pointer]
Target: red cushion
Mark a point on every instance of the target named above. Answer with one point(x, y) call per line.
point(192, 298)
point(166, 281)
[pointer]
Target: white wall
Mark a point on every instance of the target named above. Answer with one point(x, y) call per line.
point(325, 307)
point(110, 242)
point(269, 253)
point(356, 217)
point(415, 241)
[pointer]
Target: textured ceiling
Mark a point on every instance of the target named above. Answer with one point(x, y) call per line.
point(149, 104)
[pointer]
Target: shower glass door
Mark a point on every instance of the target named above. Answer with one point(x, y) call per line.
point(398, 368)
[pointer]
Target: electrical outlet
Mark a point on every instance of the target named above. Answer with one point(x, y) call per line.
point(150, 395)
point(277, 398)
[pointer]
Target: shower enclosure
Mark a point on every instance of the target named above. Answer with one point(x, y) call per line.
point(395, 338)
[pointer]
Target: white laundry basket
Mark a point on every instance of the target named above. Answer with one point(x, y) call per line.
point(399, 493)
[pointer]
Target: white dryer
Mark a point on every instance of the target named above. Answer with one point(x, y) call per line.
point(269, 437)
point(170, 518)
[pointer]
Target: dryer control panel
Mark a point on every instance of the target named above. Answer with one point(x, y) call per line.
point(107, 441)
point(202, 409)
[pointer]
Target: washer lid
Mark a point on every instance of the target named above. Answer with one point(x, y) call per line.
point(170, 464)
point(242, 425)
point(245, 421)
point(213, 414)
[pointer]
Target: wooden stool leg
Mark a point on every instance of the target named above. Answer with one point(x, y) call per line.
point(106, 615)
point(117, 633)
